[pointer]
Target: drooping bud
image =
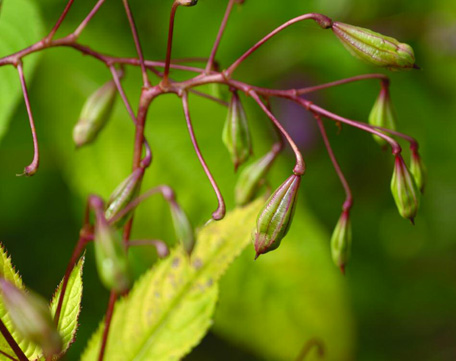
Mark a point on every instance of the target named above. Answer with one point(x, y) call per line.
point(111, 256)
point(275, 218)
point(375, 48)
point(382, 114)
point(123, 195)
point(187, 2)
point(236, 133)
point(183, 227)
point(405, 192)
point(95, 114)
point(418, 170)
point(341, 241)
point(31, 317)
point(250, 179)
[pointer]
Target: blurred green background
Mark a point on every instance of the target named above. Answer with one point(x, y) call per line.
point(398, 299)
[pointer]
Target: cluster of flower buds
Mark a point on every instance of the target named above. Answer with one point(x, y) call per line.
point(236, 133)
point(375, 48)
point(95, 114)
point(31, 317)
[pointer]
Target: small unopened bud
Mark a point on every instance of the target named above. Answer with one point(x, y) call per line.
point(341, 241)
point(382, 114)
point(375, 48)
point(418, 170)
point(187, 2)
point(405, 192)
point(183, 227)
point(250, 179)
point(236, 133)
point(95, 114)
point(275, 218)
point(31, 317)
point(123, 195)
point(111, 257)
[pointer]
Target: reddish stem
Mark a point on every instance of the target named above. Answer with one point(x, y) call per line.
point(322, 20)
point(89, 17)
point(210, 63)
point(221, 209)
point(32, 167)
point(134, 31)
point(12, 342)
point(348, 193)
point(300, 167)
point(108, 319)
point(59, 22)
point(170, 42)
point(8, 356)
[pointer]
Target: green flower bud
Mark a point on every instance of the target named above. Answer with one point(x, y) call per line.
point(418, 170)
point(405, 192)
point(111, 257)
point(31, 317)
point(123, 195)
point(95, 114)
point(275, 218)
point(341, 241)
point(375, 48)
point(236, 133)
point(183, 227)
point(382, 114)
point(187, 2)
point(250, 179)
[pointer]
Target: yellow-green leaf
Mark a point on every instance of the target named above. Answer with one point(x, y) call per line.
point(71, 306)
point(170, 308)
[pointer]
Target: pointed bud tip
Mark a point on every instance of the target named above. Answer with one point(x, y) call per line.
point(412, 220)
point(342, 269)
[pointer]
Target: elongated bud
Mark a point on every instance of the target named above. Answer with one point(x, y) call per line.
point(418, 170)
point(187, 2)
point(123, 195)
point(275, 218)
point(31, 317)
point(95, 114)
point(405, 192)
point(250, 179)
point(375, 48)
point(341, 241)
point(183, 227)
point(382, 114)
point(111, 256)
point(236, 133)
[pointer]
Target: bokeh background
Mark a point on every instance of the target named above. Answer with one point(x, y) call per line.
point(398, 299)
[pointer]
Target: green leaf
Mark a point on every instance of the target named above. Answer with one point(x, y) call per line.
point(8, 272)
point(273, 306)
point(20, 26)
point(170, 308)
point(71, 306)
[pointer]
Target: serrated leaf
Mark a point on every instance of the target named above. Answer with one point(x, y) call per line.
point(31, 350)
point(170, 308)
point(71, 306)
point(20, 26)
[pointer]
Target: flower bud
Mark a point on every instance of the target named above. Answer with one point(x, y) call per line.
point(375, 48)
point(31, 317)
point(187, 2)
point(250, 179)
point(382, 114)
point(341, 241)
point(95, 114)
point(404, 190)
point(183, 227)
point(111, 257)
point(418, 170)
point(123, 195)
point(275, 218)
point(236, 134)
